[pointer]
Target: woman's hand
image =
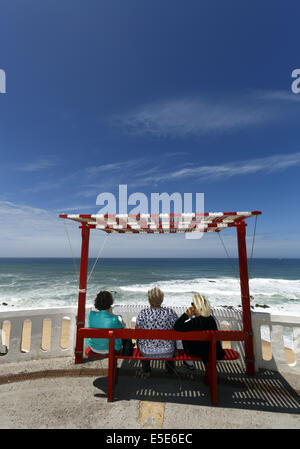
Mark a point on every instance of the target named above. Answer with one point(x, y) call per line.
point(190, 311)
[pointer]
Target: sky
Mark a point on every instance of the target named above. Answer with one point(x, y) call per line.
point(165, 96)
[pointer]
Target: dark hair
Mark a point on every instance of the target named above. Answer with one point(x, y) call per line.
point(104, 300)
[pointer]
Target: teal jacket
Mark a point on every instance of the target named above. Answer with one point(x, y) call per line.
point(103, 320)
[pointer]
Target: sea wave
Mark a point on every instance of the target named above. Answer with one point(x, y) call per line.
point(275, 294)
point(269, 294)
point(275, 291)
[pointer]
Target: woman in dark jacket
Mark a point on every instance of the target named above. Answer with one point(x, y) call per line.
point(198, 318)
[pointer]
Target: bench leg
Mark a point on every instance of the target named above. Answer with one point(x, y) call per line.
point(78, 350)
point(213, 372)
point(110, 374)
point(110, 380)
point(116, 371)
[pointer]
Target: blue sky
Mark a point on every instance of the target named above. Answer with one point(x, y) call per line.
point(162, 96)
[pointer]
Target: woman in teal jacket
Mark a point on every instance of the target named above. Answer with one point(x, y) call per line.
point(103, 318)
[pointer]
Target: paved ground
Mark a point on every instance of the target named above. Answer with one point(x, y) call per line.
point(57, 394)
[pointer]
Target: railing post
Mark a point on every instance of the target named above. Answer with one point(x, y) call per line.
point(85, 236)
point(245, 296)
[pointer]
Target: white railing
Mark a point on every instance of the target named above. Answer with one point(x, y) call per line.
point(36, 334)
point(45, 333)
point(276, 324)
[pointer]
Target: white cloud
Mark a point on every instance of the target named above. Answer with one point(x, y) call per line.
point(113, 167)
point(277, 95)
point(72, 208)
point(269, 164)
point(27, 231)
point(36, 165)
point(45, 186)
point(197, 116)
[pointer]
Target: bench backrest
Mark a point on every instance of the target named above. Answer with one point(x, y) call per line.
point(155, 334)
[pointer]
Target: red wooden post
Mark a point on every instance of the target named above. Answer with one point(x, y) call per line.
point(116, 370)
point(213, 370)
point(111, 374)
point(85, 236)
point(245, 295)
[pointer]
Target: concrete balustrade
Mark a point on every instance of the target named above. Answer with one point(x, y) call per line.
point(45, 333)
point(36, 333)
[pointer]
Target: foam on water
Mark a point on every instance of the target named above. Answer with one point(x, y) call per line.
point(53, 283)
point(278, 294)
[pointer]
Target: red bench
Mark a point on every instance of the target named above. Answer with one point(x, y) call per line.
point(141, 334)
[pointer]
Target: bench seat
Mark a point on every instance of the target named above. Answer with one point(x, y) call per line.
point(179, 355)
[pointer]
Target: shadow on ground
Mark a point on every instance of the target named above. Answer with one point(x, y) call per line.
point(267, 391)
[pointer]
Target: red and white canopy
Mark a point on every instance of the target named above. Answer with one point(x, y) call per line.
point(162, 223)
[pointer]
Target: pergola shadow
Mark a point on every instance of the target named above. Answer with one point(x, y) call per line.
point(268, 391)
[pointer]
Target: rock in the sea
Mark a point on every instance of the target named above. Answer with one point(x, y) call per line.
point(228, 307)
point(4, 304)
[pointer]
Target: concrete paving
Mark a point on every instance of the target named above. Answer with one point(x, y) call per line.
point(56, 394)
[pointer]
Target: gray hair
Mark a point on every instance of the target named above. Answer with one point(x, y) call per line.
point(155, 297)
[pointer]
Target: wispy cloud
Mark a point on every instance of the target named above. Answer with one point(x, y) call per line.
point(116, 166)
point(277, 95)
point(45, 186)
point(156, 173)
point(27, 231)
point(192, 117)
point(177, 153)
point(36, 165)
point(26, 219)
point(79, 208)
point(268, 165)
point(195, 117)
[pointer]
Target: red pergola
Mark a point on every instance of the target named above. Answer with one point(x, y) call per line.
point(167, 223)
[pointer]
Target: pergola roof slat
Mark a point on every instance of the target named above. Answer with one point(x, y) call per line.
point(162, 223)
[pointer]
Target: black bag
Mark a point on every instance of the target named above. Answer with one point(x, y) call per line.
point(128, 347)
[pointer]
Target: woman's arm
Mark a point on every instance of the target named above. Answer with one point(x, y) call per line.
point(89, 319)
point(182, 325)
point(117, 324)
point(139, 320)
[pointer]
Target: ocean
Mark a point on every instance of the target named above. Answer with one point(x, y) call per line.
point(41, 283)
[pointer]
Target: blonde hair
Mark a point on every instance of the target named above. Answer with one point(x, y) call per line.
point(155, 297)
point(202, 305)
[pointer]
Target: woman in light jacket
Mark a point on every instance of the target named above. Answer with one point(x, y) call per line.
point(156, 317)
